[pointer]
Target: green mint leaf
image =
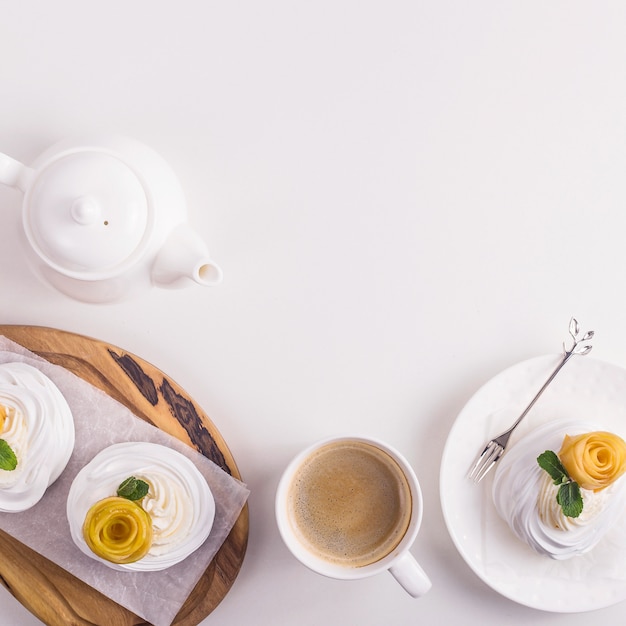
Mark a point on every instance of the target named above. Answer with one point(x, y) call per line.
point(133, 489)
point(550, 462)
point(8, 460)
point(570, 499)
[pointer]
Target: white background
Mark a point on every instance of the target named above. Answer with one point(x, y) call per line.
point(405, 198)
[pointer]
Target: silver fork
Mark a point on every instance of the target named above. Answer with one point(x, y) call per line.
point(495, 447)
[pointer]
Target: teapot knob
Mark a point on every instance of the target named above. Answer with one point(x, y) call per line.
point(85, 210)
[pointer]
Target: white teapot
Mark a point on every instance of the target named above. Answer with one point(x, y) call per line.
point(106, 217)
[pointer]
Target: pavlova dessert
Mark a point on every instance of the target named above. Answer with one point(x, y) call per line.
point(36, 435)
point(139, 506)
point(560, 487)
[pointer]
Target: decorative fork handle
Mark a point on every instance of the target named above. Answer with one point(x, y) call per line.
point(495, 447)
point(579, 346)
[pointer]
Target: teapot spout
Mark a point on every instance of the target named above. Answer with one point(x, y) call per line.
point(184, 258)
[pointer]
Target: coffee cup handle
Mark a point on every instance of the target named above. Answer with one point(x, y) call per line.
point(408, 572)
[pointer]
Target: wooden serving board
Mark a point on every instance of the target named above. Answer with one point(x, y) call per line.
point(50, 592)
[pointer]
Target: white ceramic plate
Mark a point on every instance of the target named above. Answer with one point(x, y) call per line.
point(585, 389)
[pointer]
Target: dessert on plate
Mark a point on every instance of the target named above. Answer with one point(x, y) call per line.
point(36, 435)
point(139, 506)
point(560, 487)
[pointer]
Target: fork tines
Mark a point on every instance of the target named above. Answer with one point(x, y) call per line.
point(485, 461)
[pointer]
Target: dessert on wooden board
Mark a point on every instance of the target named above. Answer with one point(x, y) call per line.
point(36, 435)
point(139, 506)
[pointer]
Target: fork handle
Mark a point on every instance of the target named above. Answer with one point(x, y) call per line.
point(566, 357)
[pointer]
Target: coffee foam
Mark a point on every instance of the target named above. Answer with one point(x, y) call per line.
point(349, 503)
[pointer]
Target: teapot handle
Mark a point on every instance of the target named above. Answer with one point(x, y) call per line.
point(13, 173)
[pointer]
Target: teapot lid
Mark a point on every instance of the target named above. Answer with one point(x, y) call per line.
point(86, 214)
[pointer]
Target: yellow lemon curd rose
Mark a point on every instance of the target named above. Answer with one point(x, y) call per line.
point(118, 530)
point(594, 460)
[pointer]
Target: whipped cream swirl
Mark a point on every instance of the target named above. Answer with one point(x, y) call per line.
point(179, 500)
point(525, 497)
point(39, 427)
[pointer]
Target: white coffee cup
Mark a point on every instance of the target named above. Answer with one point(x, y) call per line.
point(376, 471)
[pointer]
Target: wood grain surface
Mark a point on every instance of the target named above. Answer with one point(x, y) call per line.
point(48, 591)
